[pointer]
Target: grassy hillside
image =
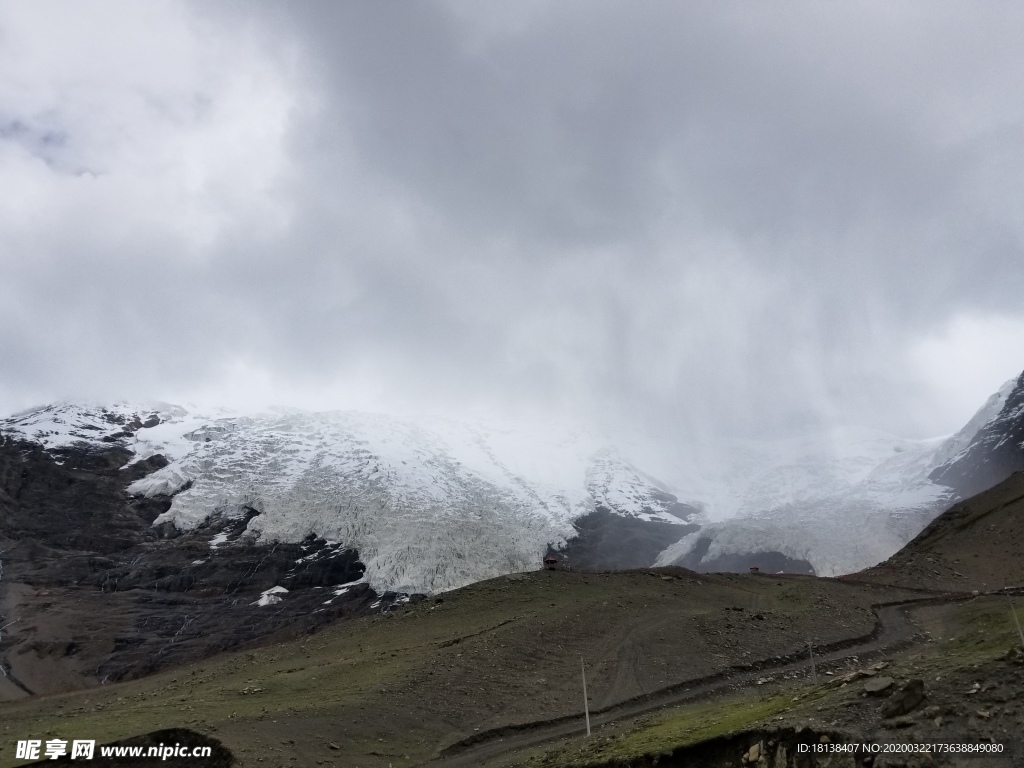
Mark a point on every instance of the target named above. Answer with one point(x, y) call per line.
point(970, 688)
point(394, 689)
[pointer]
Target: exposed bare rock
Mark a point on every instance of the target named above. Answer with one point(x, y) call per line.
point(905, 700)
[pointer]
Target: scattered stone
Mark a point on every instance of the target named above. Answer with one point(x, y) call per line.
point(900, 722)
point(332, 745)
point(753, 754)
point(1014, 656)
point(905, 700)
point(876, 686)
point(932, 711)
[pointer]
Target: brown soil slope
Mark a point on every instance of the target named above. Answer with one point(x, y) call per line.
point(968, 678)
point(397, 688)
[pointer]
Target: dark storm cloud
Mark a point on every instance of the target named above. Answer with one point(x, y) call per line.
point(700, 217)
point(597, 122)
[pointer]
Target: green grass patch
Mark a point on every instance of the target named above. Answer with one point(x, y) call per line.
point(982, 630)
point(694, 724)
point(661, 734)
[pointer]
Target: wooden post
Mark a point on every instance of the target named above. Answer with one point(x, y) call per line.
point(1016, 621)
point(586, 706)
point(814, 674)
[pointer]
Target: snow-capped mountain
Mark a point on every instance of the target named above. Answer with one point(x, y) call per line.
point(431, 503)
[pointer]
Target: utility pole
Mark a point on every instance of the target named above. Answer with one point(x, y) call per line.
point(586, 707)
point(814, 674)
point(1016, 621)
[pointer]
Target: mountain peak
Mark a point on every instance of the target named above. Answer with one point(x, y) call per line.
point(994, 451)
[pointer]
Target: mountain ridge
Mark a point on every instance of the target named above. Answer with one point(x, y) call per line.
point(432, 504)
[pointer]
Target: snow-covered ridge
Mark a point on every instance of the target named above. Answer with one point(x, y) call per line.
point(62, 425)
point(988, 413)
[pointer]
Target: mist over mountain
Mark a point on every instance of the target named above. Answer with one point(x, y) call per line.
point(687, 221)
point(431, 504)
point(367, 367)
point(842, 529)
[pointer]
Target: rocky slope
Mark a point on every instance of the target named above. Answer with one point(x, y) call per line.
point(91, 591)
point(994, 452)
point(974, 545)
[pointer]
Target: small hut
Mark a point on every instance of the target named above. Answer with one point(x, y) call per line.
point(754, 569)
point(550, 563)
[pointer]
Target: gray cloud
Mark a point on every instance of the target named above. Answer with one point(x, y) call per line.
point(702, 219)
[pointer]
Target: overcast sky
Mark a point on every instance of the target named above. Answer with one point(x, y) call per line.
point(705, 217)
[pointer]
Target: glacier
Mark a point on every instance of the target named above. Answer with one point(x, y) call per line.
point(435, 503)
point(430, 504)
point(842, 501)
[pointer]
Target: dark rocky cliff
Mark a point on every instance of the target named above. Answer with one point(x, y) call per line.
point(995, 453)
point(92, 591)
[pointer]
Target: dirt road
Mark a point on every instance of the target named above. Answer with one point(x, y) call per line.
point(894, 631)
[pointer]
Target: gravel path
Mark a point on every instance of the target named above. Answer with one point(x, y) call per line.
point(893, 632)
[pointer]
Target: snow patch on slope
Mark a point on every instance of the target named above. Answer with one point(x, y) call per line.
point(63, 425)
point(614, 484)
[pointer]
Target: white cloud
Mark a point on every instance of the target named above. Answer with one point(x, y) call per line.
point(674, 215)
point(139, 137)
point(965, 361)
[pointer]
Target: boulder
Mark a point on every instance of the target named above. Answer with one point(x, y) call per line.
point(1015, 655)
point(877, 686)
point(905, 700)
point(753, 754)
